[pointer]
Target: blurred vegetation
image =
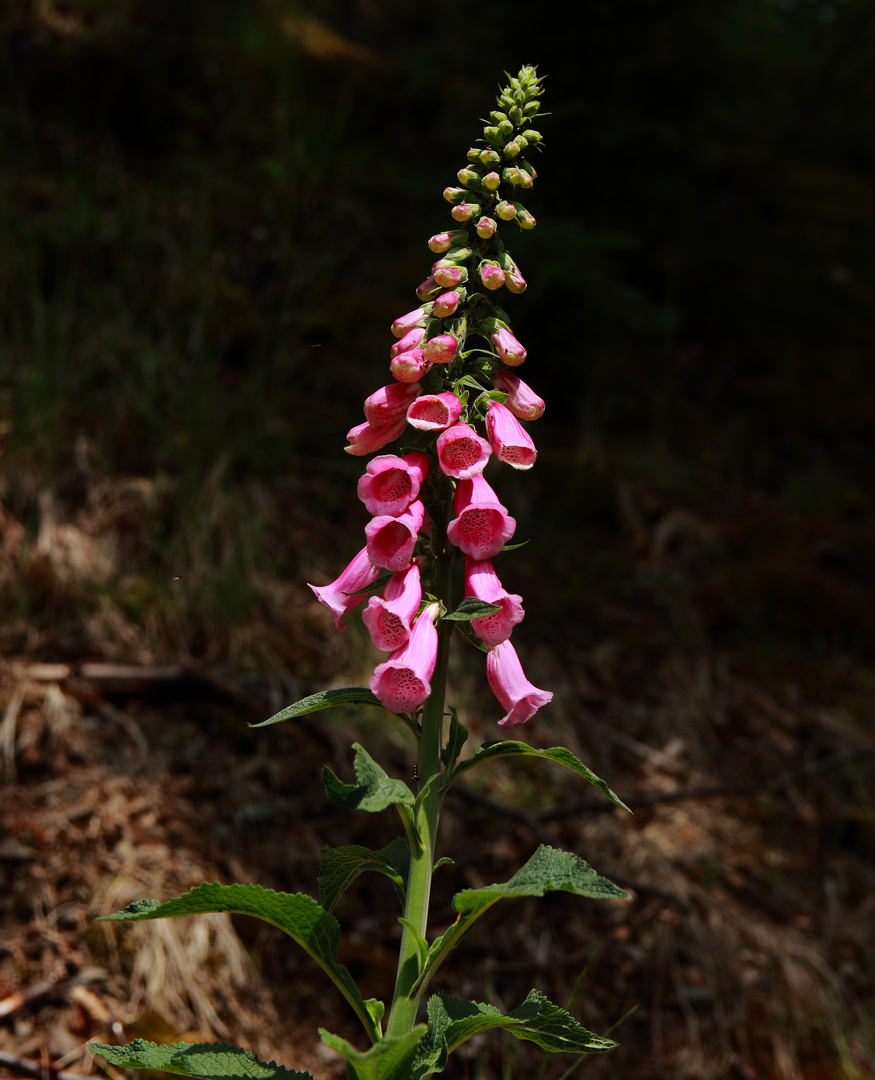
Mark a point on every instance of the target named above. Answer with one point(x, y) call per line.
point(210, 213)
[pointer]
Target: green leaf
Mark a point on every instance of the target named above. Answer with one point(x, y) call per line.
point(548, 870)
point(340, 866)
point(298, 915)
point(375, 586)
point(388, 1059)
point(325, 699)
point(375, 790)
point(471, 608)
point(468, 634)
point(513, 547)
point(458, 736)
point(510, 748)
point(194, 1059)
point(452, 1021)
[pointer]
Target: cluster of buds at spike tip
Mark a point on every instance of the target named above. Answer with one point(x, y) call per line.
point(457, 405)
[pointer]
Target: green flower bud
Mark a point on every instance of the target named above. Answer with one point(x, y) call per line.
point(528, 167)
point(454, 256)
point(493, 136)
point(532, 136)
point(491, 181)
point(516, 115)
point(506, 211)
point(489, 157)
point(498, 117)
point(465, 211)
point(513, 176)
point(474, 154)
point(469, 179)
point(511, 149)
point(522, 142)
point(454, 195)
point(524, 218)
point(485, 228)
point(505, 127)
point(531, 109)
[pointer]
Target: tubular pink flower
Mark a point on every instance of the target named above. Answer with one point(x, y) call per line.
point(491, 275)
point(441, 349)
point(509, 684)
point(403, 682)
point(509, 350)
point(336, 596)
point(510, 442)
point(434, 412)
point(389, 617)
point(391, 540)
point(522, 400)
point(390, 403)
point(391, 483)
point(410, 366)
point(482, 526)
point(410, 340)
point(404, 323)
point(461, 452)
point(366, 437)
point(482, 581)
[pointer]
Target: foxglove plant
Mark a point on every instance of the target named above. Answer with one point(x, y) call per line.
point(426, 571)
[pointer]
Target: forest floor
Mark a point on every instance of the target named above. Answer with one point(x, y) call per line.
point(747, 946)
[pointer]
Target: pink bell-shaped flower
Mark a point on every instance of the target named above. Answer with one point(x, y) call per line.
point(391, 483)
point(509, 684)
point(391, 540)
point(482, 582)
point(522, 400)
point(403, 682)
point(337, 596)
point(390, 403)
point(461, 452)
point(389, 617)
point(509, 440)
point(366, 437)
point(482, 526)
point(434, 412)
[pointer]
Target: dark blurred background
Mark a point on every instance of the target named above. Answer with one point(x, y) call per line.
point(210, 212)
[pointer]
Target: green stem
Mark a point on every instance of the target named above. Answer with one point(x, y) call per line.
point(402, 1016)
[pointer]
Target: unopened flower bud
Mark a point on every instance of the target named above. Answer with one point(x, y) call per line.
point(485, 228)
point(512, 175)
point(531, 110)
point(454, 194)
point(450, 276)
point(428, 289)
point(441, 349)
point(465, 211)
point(532, 136)
point(512, 149)
point(446, 304)
point(509, 350)
point(469, 179)
point(515, 281)
point(491, 181)
point(522, 400)
point(516, 115)
point(443, 241)
point(491, 275)
point(493, 136)
point(404, 323)
point(474, 154)
point(524, 218)
point(410, 341)
point(455, 255)
point(489, 157)
point(498, 117)
point(506, 211)
point(410, 366)
point(505, 127)
point(522, 142)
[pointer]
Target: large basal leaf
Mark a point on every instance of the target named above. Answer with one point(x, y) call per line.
point(548, 870)
point(452, 1021)
point(375, 790)
point(388, 1059)
point(298, 915)
point(195, 1059)
point(511, 748)
point(330, 699)
point(340, 866)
